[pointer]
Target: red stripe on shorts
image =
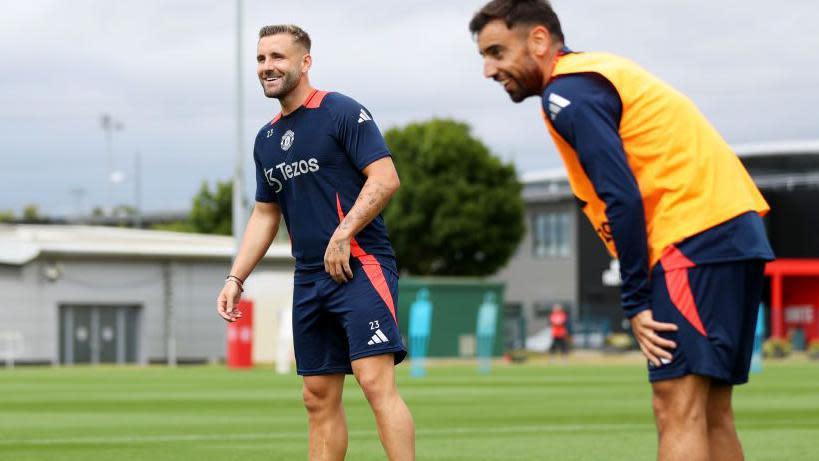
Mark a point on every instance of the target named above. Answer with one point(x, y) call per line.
point(679, 288)
point(371, 267)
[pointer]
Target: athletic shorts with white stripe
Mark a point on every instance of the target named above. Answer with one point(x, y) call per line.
point(335, 324)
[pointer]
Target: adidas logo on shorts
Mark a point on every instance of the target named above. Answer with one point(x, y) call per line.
point(378, 338)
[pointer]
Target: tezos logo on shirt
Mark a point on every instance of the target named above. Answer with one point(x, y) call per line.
point(287, 139)
point(272, 181)
point(290, 171)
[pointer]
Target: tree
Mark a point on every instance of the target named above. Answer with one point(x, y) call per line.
point(31, 213)
point(211, 212)
point(174, 226)
point(459, 210)
point(123, 211)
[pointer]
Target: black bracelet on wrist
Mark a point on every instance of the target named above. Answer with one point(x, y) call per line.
point(237, 281)
point(231, 276)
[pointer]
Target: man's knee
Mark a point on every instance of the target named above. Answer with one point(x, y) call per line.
point(376, 378)
point(320, 396)
point(720, 410)
point(678, 404)
point(663, 408)
point(376, 387)
point(720, 419)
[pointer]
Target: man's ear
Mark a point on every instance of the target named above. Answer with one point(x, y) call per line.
point(539, 40)
point(307, 63)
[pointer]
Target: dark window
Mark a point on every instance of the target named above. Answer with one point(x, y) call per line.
point(550, 234)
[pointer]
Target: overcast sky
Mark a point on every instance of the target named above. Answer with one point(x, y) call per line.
point(166, 70)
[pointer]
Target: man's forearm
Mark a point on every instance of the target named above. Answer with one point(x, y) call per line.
point(260, 232)
point(374, 196)
point(627, 223)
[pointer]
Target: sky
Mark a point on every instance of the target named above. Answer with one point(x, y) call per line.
point(166, 70)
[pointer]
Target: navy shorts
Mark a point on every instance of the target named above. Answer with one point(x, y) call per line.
point(334, 324)
point(715, 307)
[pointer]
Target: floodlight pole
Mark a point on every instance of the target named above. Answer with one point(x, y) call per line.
point(137, 190)
point(239, 218)
point(109, 125)
point(170, 320)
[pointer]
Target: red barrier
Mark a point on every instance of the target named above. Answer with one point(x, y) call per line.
point(240, 338)
point(794, 296)
point(803, 317)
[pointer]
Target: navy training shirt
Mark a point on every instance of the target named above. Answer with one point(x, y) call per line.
point(310, 163)
point(590, 124)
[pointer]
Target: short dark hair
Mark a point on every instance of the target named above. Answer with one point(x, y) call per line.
point(299, 35)
point(517, 12)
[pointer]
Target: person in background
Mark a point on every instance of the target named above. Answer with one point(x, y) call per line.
point(560, 333)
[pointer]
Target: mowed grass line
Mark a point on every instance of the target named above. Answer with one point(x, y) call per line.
point(528, 412)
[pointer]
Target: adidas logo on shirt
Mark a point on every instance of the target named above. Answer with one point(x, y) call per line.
point(378, 338)
point(363, 116)
point(556, 104)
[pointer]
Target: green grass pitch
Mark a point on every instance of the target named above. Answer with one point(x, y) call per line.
point(519, 412)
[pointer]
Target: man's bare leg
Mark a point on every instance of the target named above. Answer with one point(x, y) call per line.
point(680, 413)
point(376, 376)
point(325, 414)
point(723, 442)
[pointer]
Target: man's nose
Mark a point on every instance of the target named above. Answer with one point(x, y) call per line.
point(265, 66)
point(489, 69)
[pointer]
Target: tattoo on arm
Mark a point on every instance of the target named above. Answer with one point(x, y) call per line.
point(372, 199)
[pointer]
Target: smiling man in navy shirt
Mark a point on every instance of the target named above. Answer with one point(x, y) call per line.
point(323, 164)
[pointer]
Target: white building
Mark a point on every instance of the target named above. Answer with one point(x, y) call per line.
point(80, 294)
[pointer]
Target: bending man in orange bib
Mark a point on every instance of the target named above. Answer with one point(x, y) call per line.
point(669, 199)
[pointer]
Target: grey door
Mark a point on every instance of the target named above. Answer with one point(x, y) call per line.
point(108, 334)
point(80, 335)
point(98, 334)
point(131, 333)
